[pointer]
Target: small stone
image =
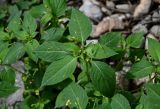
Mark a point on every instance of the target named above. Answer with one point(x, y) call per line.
point(110, 4)
point(2, 2)
point(155, 30)
point(107, 11)
point(155, 16)
point(147, 19)
point(124, 7)
point(140, 28)
point(142, 8)
point(93, 41)
point(108, 24)
point(144, 80)
point(91, 10)
point(126, 66)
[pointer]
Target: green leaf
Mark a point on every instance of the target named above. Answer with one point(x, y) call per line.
point(3, 50)
point(144, 100)
point(79, 26)
point(4, 35)
point(46, 18)
point(140, 69)
point(89, 88)
point(22, 35)
point(57, 7)
point(104, 106)
point(135, 54)
point(82, 78)
point(153, 49)
point(13, 11)
point(7, 75)
point(25, 5)
point(6, 89)
point(3, 13)
point(71, 47)
point(4, 45)
point(140, 106)
point(153, 92)
point(103, 78)
point(130, 97)
point(98, 51)
point(120, 102)
point(37, 11)
point(3, 54)
point(110, 39)
point(135, 40)
point(51, 51)
point(72, 96)
point(30, 47)
point(29, 24)
point(3, 107)
point(152, 97)
point(16, 52)
point(59, 70)
point(53, 34)
point(15, 24)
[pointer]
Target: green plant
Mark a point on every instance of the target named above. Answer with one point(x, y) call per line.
point(62, 70)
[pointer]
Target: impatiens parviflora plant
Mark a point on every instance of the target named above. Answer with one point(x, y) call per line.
point(95, 73)
point(63, 71)
point(65, 57)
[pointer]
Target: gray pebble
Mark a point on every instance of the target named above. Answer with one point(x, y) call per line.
point(110, 4)
point(124, 7)
point(91, 10)
point(155, 30)
point(140, 28)
point(155, 16)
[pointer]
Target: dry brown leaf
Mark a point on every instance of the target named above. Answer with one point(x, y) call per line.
point(108, 24)
point(142, 8)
